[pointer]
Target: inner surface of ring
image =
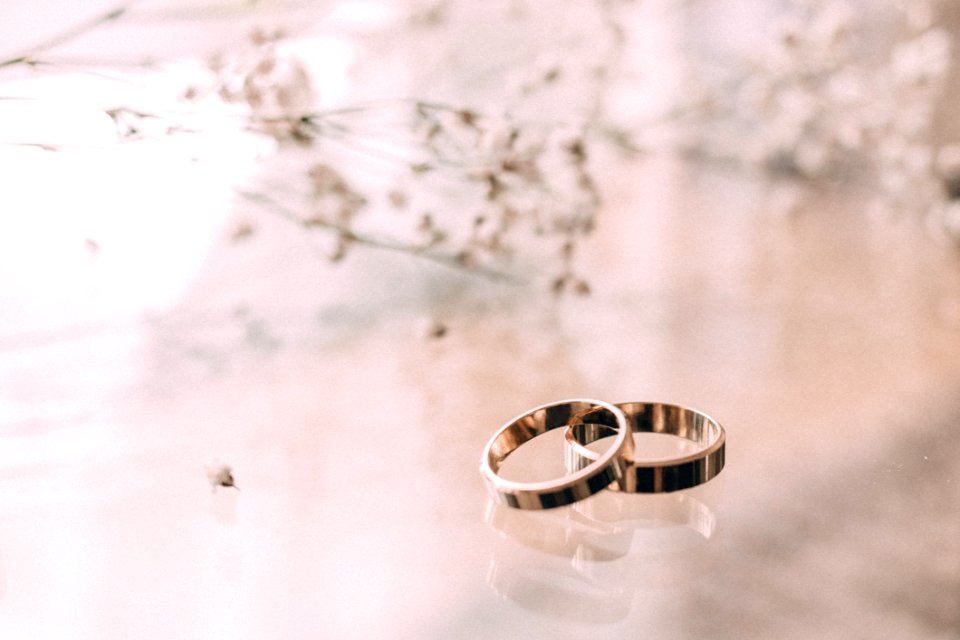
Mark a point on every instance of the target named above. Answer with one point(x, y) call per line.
point(531, 425)
point(655, 418)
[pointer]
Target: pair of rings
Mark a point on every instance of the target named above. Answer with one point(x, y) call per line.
point(618, 467)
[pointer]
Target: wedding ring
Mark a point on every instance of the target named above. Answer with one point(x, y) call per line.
point(588, 478)
point(655, 476)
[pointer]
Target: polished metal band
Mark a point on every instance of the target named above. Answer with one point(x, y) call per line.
point(588, 478)
point(656, 476)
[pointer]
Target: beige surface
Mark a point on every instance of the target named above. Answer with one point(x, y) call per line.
point(827, 343)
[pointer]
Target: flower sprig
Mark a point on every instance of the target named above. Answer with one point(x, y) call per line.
point(519, 183)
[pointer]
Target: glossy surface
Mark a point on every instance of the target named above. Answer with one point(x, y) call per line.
point(827, 343)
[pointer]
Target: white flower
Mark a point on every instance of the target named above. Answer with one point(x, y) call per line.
point(950, 215)
point(918, 159)
point(831, 23)
point(922, 59)
point(812, 157)
point(948, 160)
point(798, 106)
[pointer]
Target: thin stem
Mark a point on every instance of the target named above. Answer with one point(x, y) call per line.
point(447, 260)
point(67, 35)
point(83, 68)
point(194, 12)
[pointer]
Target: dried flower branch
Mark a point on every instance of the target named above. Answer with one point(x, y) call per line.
point(29, 57)
point(811, 106)
point(354, 238)
point(521, 183)
point(497, 159)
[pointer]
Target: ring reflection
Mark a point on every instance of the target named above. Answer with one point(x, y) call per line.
point(586, 561)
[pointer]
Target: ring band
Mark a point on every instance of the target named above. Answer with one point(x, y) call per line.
point(656, 476)
point(592, 476)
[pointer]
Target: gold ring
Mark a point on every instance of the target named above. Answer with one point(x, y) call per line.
point(587, 479)
point(655, 476)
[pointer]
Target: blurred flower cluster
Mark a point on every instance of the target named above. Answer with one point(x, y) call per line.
point(815, 103)
point(486, 191)
point(497, 178)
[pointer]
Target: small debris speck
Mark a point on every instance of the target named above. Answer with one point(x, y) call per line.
point(221, 475)
point(435, 329)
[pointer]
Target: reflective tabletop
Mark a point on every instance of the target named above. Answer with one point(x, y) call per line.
point(153, 352)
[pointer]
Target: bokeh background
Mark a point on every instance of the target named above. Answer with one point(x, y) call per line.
point(333, 246)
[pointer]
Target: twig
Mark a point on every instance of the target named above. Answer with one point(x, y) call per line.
point(83, 68)
point(213, 11)
point(66, 36)
point(34, 145)
point(447, 260)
